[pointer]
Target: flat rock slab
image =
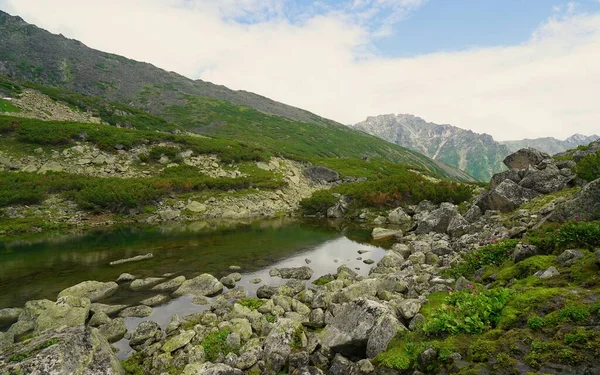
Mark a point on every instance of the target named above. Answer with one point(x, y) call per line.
point(92, 290)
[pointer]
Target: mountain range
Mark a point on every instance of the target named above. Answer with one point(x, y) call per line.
point(477, 154)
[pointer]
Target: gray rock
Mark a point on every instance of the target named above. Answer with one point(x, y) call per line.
point(316, 319)
point(178, 341)
point(546, 181)
point(547, 274)
point(145, 334)
point(140, 284)
point(342, 366)
point(159, 299)
point(569, 257)
point(473, 214)
point(114, 330)
point(427, 358)
point(524, 158)
point(584, 206)
point(237, 292)
point(125, 277)
point(136, 312)
point(298, 273)
point(168, 215)
point(462, 283)
point(277, 344)
point(319, 173)
point(298, 360)
point(398, 216)
point(92, 290)
point(9, 316)
point(408, 308)
point(416, 322)
point(266, 291)
point(174, 324)
point(524, 251)
point(506, 197)
point(438, 220)
point(391, 260)
point(385, 329)
point(107, 309)
point(349, 331)
point(363, 289)
point(170, 285)
point(99, 319)
point(458, 226)
point(512, 175)
point(383, 233)
point(203, 285)
point(230, 280)
point(43, 315)
point(75, 350)
point(210, 369)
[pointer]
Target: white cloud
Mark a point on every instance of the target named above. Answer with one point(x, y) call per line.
point(322, 59)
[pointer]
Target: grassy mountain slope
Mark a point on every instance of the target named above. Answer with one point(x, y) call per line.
point(33, 54)
point(551, 145)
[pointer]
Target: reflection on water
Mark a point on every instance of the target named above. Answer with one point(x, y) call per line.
point(42, 268)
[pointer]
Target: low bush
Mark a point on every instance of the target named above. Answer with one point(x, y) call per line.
point(468, 311)
point(588, 168)
point(575, 234)
point(490, 255)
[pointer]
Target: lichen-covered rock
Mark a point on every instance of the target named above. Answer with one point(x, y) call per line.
point(145, 334)
point(9, 316)
point(114, 330)
point(73, 350)
point(383, 233)
point(140, 284)
point(363, 289)
point(125, 277)
point(408, 308)
point(398, 216)
point(159, 299)
point(584, 206)
point(266, 291)
point(178, 341)
point(385, 329)
point(92, 290)
point(141, 311)
point(210, 369)
point(298, 273)
point(204, 285)
point(438, 220)
point(169, 286)
point(278, 344)
point(349, 331)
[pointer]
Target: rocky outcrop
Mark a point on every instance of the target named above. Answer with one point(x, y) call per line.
point(584, 206)
point(69, 350)
point(532, 173)
point(321, 174)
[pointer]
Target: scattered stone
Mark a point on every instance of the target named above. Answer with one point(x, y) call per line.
point(398, 216)
point(524, 251)
point(132, 259)
point(159, 299)
point(169, 286)
point(179, 341)
point(298, 273)
point(320, 174)
point(547, 274)
point(145, 334)
point(256, 281)
point(368, 261)
point(569, 257)
point(230, 280)
point(235, 268)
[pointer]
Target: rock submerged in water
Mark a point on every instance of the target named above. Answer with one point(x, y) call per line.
point(137, 258)
point(298, 273)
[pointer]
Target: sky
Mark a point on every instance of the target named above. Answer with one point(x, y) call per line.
point(510, 68)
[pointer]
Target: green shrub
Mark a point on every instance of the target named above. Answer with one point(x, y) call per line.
point(215, 345)
point(489, 255)
point(468, 311)
point(577, 234)
point(252, 303)
point(588, 168)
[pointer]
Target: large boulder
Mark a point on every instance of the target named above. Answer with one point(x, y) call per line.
point(398, 216)
point(67, 350)
point(92, 290)
point(506, 197)
point(584, 206)
point(205, 285)
point(512, 175)
point(546, 180)
point(319, 174)
point(351, 328)
point(145, 334)
point(524, 158)
point(438, 220)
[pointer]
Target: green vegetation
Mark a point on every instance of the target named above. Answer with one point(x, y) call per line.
point(494, 254)
point(252, 303)
point(389, 192)
point(518, 322)
point(6, 106)
point(588, 168)
point(323, 280)
point(468, 311)
point(115, 194)
point(215, 345)
point(297, 337)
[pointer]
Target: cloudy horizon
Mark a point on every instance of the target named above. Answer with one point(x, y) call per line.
point(522, 70)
